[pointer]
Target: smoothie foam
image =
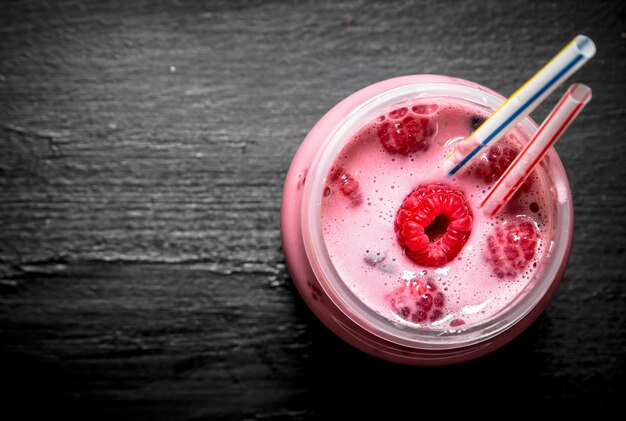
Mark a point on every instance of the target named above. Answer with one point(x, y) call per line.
point(366, 187)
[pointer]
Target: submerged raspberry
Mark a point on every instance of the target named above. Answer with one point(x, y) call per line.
point(417, 301)
point(492, 164)
point(404, 133)
point(512, 247)
point(348, 185)
point(433, 224)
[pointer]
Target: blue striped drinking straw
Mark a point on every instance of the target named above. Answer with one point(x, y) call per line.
point(571, 58)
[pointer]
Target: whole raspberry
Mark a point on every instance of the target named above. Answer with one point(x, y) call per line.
point(417, 301)
point(432, 224)
point(492, 164)
point(348, 185)
point(404, 132)
point(512, 246)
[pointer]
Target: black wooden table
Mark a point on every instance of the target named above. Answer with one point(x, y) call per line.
point(143, 147)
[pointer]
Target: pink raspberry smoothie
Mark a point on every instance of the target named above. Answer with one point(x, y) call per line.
point(394, 256)
point(412, 280)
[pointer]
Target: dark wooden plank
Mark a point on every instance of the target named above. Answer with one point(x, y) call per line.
point(143, 146)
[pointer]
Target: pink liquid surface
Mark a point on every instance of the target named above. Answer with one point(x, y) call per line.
point(360, 236)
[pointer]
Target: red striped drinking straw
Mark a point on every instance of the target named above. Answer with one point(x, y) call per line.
point(568, 107)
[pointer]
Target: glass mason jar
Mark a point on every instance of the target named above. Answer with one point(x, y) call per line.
point(319, 283)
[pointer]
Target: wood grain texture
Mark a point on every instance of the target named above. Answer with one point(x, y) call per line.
point(143, 147)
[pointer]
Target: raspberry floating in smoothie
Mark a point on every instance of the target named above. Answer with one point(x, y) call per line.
point(512, 246)
point(492, 164)
point(348, 186)
point(417, 301)
point(403, 132)
point(433, 224)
